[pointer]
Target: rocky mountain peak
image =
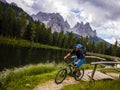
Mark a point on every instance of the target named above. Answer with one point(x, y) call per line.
point(53, 20)
point(66, 24)
point(57, 23)
point(78, 25)
point(87, 24)
point(84, 29)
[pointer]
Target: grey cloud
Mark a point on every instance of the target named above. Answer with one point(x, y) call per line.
point(112, 7)
point(38, 6)
point(42, 5)
point(104, 9)
point(25, 4)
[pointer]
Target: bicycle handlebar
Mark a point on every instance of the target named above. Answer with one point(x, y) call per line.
point(69, 62)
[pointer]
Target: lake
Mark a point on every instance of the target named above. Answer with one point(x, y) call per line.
point(19, 56)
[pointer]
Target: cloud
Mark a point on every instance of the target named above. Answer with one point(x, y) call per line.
point(111, 40)
point(103, 15)
point(75, 10)
point(24, 4)
point(110, 29)
point(101, 10)
point(57, 6)
point(111, 7)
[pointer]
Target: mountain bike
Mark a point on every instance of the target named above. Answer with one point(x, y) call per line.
point(70, 70)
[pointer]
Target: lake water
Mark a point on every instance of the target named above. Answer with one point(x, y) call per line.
point(19, 56)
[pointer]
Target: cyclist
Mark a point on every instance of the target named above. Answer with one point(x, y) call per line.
point(80, 53)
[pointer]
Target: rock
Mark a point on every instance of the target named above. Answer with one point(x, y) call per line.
point(84, 29)
point(53, 20)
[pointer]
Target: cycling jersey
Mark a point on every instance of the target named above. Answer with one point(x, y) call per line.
point(78, 53)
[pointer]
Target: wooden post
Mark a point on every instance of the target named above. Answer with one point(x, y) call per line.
point(0, 83)
point(93, 72)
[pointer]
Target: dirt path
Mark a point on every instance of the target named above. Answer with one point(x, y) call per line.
point(50, 85)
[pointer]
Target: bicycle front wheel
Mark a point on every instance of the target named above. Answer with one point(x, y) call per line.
point(60, 76)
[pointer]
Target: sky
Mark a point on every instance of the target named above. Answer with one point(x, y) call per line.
point(103, 15)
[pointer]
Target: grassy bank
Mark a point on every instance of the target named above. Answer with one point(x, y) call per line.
point(27, 77)
point(97, 85)
point(25, 43)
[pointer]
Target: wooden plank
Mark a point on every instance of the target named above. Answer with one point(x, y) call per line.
point(94, 57)
point(115, 75)
point(86, 77)
point(97, 76)
point(105, 62)
point(102, 75)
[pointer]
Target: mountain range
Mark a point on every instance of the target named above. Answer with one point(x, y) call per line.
point(53, 20)
point(57, 23)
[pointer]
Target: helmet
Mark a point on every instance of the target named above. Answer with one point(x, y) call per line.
point(79, 46)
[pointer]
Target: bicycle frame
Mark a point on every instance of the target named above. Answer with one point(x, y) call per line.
point(69, 65)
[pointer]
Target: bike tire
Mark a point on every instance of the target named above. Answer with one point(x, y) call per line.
point(78, 78)
point(62, 75)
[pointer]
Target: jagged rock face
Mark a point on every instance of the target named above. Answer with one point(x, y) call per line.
point(84, 30)
point(53, 20)
point(57, 23)
point(4, 1)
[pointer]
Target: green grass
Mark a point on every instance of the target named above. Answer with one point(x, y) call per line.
point(25, 43)
point(27, 77)
point(117, 70)
point(95, 85)
point(87, 66)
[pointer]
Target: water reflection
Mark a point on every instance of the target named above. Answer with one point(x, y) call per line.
point(19, 56)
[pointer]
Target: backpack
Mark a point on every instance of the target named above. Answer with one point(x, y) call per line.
point(83, 51)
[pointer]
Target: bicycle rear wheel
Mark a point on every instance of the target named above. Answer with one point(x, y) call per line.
point(78, 75)
point(60, 76)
